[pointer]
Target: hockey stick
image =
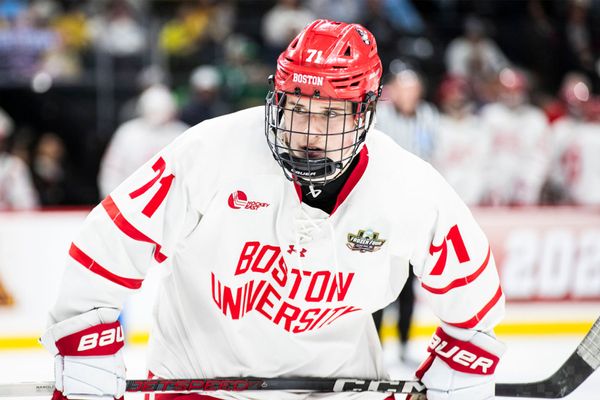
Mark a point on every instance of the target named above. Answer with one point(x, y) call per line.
point(235, 384)
point(578, 367)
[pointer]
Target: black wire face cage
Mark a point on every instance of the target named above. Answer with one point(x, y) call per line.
point(294, 149)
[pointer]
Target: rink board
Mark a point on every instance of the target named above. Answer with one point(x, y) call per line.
point(548, 259)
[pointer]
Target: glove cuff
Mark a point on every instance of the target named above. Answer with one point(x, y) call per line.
point(462, 356)
point(99, 340)
point(78, 323)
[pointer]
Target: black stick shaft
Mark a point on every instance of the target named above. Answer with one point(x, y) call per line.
point(300, 384)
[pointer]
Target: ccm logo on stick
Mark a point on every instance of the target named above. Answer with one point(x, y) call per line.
point(104, 338)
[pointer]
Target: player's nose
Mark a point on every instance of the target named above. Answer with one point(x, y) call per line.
point(314, 137)
point(316, 127)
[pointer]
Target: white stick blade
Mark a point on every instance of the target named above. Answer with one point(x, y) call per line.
point(25, 389)
point(589, 349)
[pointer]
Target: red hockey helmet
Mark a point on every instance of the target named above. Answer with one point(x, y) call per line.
point(453, 86)
point(328, 62)
point(330, 59)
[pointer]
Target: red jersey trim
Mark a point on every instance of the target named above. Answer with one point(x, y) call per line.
point(355, 175)
point(482, 313)
point(125, 226)
point(298, 190)
point(87, 262)
point(460, 281)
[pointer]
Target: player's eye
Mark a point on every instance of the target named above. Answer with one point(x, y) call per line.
point(331, 114)
point(300, 110)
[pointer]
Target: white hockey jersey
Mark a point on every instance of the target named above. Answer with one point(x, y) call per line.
point(16, 186)
point(575, 167)
point(461, 154)
point(519, 158)
point(134, 143)
point(259, 283)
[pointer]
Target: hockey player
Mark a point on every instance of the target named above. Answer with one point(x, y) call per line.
point(463, 144)
point(518, 137)
point(17, 191)
point(138, 139)
point(574, 174)
point(276, 274)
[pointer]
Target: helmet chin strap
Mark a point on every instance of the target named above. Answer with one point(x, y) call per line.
point(308, 170)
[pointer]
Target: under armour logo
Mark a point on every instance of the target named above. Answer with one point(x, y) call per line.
point(293, 250)
point(314, 192)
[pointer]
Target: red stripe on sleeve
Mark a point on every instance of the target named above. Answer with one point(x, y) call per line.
point(85, 260)
point(460, 281)
point(479, 316)
point(115, 214)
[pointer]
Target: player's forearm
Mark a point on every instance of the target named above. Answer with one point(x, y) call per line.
point(82, 290)
point(102, 268)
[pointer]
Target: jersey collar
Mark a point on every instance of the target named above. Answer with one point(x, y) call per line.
point(355, 175)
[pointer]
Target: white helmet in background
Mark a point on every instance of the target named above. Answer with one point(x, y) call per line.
point(6, 125)
point(205, 77)
point(157, 105)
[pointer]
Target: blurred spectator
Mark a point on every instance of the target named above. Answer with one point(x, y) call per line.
point(6, 299)
point(16, 189)
point(136, 141)
point(574, 92)
point(574, 176)
point(394, 23)
point(282, 23)
point(476, 57)
point(117, 31)
point(462, 144)
point(518, 161)
point(243, 74)
point(404, 16)
point(179, 36)
point(50, 171)
point(578, 35)
point(474, 53)
point(408, 119)
point(195, 35)
point(205, 99)
point(541, 43)
point(340, 10)
point(73, 27)
point(11, 9)
point(65, 61)
point(61, 63)
point(150, 76)
point(24, 42)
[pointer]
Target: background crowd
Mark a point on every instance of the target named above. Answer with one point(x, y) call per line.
point(499, 95)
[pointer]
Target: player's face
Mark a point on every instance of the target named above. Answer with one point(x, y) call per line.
point(319, 128)
point(406, 91)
